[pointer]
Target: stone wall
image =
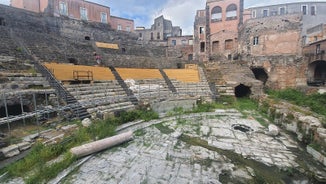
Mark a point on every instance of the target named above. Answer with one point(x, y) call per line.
point(283, 71)
point(274, 44)
point(306, 125)
point(277, 35)
point(66, 40)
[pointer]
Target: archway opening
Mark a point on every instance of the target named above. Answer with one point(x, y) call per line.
point(2, 21)
point(87, 38)
point(13, 110)
point(317, 73)
point(260, 74)
point(73, 61)
point(242, 91)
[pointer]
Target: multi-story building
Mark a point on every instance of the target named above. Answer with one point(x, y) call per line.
point(219, 37)
point(313, 13)
point(159, 31)
point(122, 24)
point(75, 9)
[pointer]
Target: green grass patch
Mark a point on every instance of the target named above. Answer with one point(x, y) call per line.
point(164, 129)
point(34, 168)
point(316, 102)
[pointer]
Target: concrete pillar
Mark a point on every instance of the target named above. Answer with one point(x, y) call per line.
point(100, 145)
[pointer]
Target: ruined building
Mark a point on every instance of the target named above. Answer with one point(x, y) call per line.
point(159, 31)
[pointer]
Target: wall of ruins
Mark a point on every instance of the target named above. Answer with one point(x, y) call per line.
point(200, 36)
point(274, 44)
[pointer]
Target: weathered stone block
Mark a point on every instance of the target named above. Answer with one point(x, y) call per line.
point(86, 122)
point(318, 156)
point(273, 130)
point(311, 121)
point(10, 151)
point(24, 146)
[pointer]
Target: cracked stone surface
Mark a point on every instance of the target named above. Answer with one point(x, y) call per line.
point(156, 157)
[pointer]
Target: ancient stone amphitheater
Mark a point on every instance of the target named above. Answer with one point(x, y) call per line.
point(49, 75)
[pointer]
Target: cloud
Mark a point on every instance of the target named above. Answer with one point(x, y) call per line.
point(181, 13)
point(5, 2)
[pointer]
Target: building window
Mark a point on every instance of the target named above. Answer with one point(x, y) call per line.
point(216, 46)
point(83, 13)
point(104, 17)
point(174, 42)
point(231, 12)
point(273, 13)
point(158, 36)
point(201, 30)
point(253, 14)
point(256, 40)
point(128, 29)
point(202, 46)
point(318, 49)
point(265, 13)
point(119, 28)
point(190, 57)
point(216, 14)
point(190, 42)
point(313, 10)
point(63, 10)
point(184, 42)
point(140, 35)
point(282, 10)
point(229, 44)
point(304, 9)
point(152, 36)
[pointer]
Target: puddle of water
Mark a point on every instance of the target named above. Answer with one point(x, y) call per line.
point(242, 128)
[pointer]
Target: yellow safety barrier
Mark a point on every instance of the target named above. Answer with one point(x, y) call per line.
point(65, 72)
point(183, 75)
point(107, 45)
point(138, 74)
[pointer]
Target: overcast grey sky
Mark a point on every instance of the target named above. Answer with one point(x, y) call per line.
point(180, 12)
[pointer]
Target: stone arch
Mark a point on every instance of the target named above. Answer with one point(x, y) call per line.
point(87, 38)
point(73, 61)
point(241, 91)
point(317, 73)
point(231, 12)
point(216, 14)
point(260, 74)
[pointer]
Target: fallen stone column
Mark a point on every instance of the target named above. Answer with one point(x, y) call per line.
point(100, 145)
